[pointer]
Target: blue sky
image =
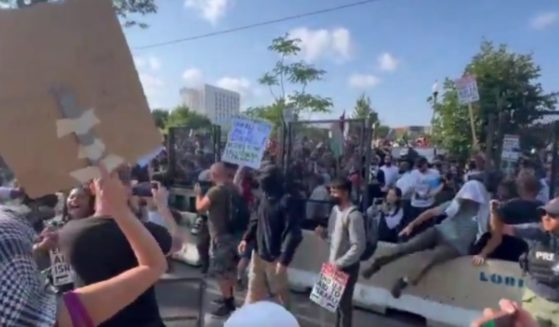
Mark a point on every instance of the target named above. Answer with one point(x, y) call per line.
point(391, 50)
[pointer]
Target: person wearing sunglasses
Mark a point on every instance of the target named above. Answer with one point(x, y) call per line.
point(541, 262)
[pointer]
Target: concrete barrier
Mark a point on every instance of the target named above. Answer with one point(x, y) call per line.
point(451, 294)
point(189, 252)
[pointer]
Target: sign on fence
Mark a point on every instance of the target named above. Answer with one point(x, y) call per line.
point(60, 269)
point(467, 89)
point(328, 290)
point(246, 142)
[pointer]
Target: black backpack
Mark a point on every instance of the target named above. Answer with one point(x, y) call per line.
point(371, 234)
point(239, 214)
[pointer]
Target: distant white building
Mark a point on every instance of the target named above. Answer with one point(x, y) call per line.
point(216, 103)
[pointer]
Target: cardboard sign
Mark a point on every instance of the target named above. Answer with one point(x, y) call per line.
point(67, 73)
point(467, 90)
point(246, 142)
point(60, 269)
point(328, 290)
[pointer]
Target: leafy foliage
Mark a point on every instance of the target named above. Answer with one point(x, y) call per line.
point(160, 116)
point(184, 117)
point(288, 82)
point(126, 9)
point(180, 116)
point(363, 110)
point(508, 89)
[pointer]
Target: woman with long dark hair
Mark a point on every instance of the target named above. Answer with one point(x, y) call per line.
point(391, 214)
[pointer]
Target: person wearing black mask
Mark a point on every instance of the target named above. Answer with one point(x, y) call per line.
point(277, 233)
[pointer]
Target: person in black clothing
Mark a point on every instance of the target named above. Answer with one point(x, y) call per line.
point(276, 231)
point(521, 210)
point(391, 214)
point(98, 250)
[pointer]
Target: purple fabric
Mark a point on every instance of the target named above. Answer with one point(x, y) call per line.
point(78, 314)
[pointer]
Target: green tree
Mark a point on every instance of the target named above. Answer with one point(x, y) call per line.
point(182, 116)
point(288, 83)
point(126, 9)
point(160, 116)
point(363, 110)
point(509, 89)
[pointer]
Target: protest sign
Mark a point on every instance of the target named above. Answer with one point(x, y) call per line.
point(511, 148)
point(468, 94)
point(60, 269)
point(328, 290)
point(246, 142)
point(467, 90)
point(70, 95)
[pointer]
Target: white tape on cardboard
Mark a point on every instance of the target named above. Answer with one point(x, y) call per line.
point(80, 126)
point(93, 151)
point(86, 174)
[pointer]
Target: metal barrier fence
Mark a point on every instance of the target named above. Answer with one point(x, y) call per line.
point(191, 151)
point(177, 304)
point(328, 149)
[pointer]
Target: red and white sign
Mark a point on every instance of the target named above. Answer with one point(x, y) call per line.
point(328, 290)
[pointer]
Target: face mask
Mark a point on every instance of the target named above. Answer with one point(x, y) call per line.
point(335, 200)
point(388, 164)
point(401, 171)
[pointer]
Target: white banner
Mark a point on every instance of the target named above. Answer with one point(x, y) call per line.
point(467, 89)
point(246, 142)
point(328, 290)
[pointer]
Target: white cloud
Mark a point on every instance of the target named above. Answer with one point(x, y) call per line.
point(240, 85)
point(341, 42)
point(193, 77)
point(322, 42)
point(544, 20)
point(363, 81)
point(211, 10)
point(387, 62)
point(153, 87)
point(148, 70)
point(151, 63)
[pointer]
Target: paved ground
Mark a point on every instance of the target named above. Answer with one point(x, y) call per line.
point(179, 305)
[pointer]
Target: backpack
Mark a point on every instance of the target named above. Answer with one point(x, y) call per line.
point(239, 214)
point(371, 234)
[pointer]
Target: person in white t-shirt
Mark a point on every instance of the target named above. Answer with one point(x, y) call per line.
point(390, 172)
point(426, 184)
point(318, 207)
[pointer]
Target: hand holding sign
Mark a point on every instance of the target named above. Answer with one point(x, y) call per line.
point(328, 290)
point(112, 197)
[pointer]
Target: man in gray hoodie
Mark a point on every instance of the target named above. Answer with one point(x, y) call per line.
point(346, 231)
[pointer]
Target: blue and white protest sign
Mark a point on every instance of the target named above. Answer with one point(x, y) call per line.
point(246, 142)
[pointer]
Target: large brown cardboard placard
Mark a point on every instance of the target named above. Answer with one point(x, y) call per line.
point(78, 45)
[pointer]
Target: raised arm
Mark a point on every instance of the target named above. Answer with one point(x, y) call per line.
point(497, 230)
point(104, 299)
point(161, 198)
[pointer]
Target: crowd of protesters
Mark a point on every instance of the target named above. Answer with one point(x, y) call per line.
point(116, 232)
